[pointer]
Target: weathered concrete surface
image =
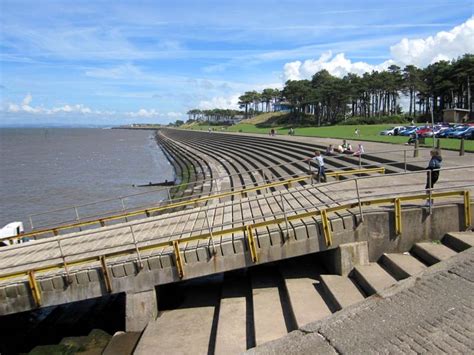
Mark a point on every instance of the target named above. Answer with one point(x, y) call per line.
point(231, 335)
point(343, 259)
point(341, 291)
point(267, 308)
point(402, 265)
point(233, 253)
point(431, 312)
point(122, 343)
point(140, 308)
point(372, 278)
point(188, 327)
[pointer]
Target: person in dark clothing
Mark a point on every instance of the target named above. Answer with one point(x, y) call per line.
point(433, 167)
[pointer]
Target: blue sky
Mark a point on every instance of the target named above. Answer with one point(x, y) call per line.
point(111, 62)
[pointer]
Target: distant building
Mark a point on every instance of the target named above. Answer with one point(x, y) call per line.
point(456, 115)
point(282, 107)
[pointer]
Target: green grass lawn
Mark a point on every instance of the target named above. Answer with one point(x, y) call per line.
point(367, 133)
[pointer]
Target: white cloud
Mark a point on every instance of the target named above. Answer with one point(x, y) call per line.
point(338, 65)
point(144, 113)
point(229, 102)
point(445, 45)
point(27, 100)
point(25, 107)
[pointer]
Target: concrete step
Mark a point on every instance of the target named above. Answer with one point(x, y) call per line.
point(305, 293)
point(459, 241)
point(231, 335)
point(341, 291)
point(186, 330)
point(122, 343)
point(268, 314)
point(372, 278)
point(402, 266)
point(432, 253)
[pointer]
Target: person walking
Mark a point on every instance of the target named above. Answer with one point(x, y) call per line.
point(432, 174)
point(319, 161)
point(357, 132)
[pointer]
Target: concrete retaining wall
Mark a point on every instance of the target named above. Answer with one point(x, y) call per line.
point(273, 244)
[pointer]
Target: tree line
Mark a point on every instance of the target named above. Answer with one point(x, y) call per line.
point(328, 99)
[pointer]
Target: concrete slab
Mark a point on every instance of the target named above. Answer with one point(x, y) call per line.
point(341, 290)
point(306, 301)
point(267, 308)
point(186, 330)
point(122, 343)
point(231, 335)
point(432, 253)
point(402, 266)
point(459, 241)
point(372, 278)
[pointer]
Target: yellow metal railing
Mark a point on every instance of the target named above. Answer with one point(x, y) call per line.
point(148, 211)
point(246, 229)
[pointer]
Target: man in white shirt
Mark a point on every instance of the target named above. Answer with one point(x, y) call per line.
point(319, 161)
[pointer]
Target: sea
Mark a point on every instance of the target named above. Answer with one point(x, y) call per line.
point(54, 175)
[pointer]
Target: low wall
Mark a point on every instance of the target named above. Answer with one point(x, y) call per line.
point(273, 244)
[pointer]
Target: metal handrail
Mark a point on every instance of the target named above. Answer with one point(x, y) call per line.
point(284, 182)
point(197, 182)
point(34, 234)
point(244, 228)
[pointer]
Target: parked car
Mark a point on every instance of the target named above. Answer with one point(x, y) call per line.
point(445, 133)
point(394, 131)
point(425, 131)
point(408, 131)
point(469, 134)
point(461, 132)
point(440, 128)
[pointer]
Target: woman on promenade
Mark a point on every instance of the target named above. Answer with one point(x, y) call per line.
point(432, 174)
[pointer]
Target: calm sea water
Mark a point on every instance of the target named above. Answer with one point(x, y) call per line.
point(43, 169)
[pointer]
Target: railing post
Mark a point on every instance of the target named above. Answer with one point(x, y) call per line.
point(467, 209)
point(405, 160)
point(35, 291)
point(415, 151)
point(123, 203)
point(211, 237)
point(358, 200)
point(68, 276)
point(106, 273)
point(398, 217)
point(140, 261)
point(326, 228)
point(461, 148)
point(285, 216)
point(77, 213)
point(31, 222)
point(252, 246)
point(310, 172)
point(360, 160)
point(179, 260)
point(168, 190)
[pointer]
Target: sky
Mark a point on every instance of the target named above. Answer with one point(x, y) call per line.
point(120, 62)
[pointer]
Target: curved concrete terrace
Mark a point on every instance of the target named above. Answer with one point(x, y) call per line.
point(204, 257)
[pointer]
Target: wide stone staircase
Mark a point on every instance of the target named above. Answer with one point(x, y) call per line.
point(240, 310)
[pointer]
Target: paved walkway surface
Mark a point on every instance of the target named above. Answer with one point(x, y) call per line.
point(432, 312)
point(451, 158)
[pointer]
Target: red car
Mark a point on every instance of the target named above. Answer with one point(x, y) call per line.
point(425, 131)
